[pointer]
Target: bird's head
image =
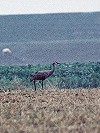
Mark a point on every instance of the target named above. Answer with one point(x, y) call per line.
point(56, 63)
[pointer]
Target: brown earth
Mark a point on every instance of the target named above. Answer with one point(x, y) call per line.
point(50, 111)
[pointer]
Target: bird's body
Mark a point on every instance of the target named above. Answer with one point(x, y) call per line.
point(42, 75)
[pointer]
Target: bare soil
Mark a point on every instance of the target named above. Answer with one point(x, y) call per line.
point(50, 111)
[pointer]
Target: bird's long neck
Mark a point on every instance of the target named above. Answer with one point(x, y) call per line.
point(53, 69)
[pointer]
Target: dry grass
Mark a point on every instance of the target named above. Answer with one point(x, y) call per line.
point(50, 111)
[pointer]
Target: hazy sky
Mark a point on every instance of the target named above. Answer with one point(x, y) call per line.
point(47, 6)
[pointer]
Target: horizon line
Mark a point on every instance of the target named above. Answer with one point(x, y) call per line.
point(49, 13)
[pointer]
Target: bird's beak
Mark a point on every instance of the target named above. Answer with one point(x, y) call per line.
point(57, 62)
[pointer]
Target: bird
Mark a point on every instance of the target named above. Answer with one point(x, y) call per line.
point(42, 75)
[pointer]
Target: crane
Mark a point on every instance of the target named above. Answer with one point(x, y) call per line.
point(42, 75)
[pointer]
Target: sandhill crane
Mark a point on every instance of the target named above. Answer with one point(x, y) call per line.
point(42, 75)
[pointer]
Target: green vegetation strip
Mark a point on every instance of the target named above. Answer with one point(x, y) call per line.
point(76, 75)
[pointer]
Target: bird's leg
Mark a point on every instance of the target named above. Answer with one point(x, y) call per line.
point(42, 84)
point(34, 85)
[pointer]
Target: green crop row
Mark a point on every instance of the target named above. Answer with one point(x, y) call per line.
point(74, 75)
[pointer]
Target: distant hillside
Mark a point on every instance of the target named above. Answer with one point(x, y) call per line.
point(46, 27)
point(67, 37)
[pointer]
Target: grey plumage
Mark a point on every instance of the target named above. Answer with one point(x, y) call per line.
point(42, 75)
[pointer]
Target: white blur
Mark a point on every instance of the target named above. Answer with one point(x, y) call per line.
point(6, 51)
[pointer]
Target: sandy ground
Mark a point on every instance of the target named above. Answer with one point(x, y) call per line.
point(50, 111)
